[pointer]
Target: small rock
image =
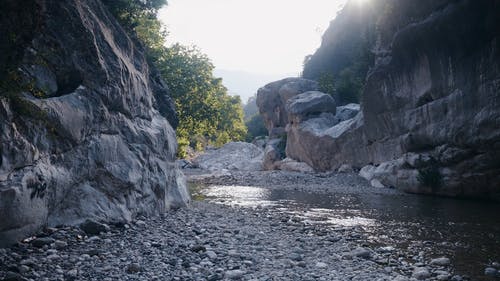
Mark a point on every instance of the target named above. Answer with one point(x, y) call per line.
point(443, 277)
point(53, 257)
point(233, 253)
point(421, 273)
point(321, 265)
point(386, 249)
point(295, 257)
point(234, 274)
point(60, 244)
point(91, 227)
point(211, 255)
point(361, 253)
point(71, 274)
point(40, 242)
point(93, 252)
point(198, 248)
point(12, 276)
point(345, 168)
point(215, 277)
point(140, 223)
point(133, 268)
point(376, 183)
point(440, 261)
point(23, 269)
point(490, 271)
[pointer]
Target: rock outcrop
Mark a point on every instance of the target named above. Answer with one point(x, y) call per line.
point(87, 133)
point(272, 101)
point(430, 117)
point(240, 156)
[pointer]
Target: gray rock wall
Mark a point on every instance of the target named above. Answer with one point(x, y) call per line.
point(92, 134)
point(434, 94)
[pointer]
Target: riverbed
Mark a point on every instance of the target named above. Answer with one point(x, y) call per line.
point(465, 231)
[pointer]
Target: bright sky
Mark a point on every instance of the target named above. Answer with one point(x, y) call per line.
point(257, 36)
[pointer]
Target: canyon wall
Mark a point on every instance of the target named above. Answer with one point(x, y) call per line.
point(86, 126)
point(430, 109)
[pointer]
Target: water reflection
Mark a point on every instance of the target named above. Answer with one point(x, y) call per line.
point(466, 231)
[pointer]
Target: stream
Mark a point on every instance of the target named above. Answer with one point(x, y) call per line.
point(466, 231)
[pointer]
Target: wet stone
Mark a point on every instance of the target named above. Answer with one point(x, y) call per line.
point(91, 227)
point(40, 242)
point(133, 268)
point(490, 271)
point(440, 261)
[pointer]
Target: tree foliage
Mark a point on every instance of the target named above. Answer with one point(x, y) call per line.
point(256, 127)
point(253, 120)
point(130, 13)
point(207, 113)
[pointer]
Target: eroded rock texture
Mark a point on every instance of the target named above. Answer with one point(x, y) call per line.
point(430, 111)
point(89, 134)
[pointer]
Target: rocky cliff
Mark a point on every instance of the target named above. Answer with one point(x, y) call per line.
point(430, 117)
point(86, 127)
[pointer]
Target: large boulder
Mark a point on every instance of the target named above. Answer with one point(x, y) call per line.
point(272, 98)
point(241, 156)
point(309, 103)
point(89, 134)
point(433, 93)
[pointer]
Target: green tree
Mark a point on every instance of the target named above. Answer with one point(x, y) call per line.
point(256, 128)
point(130, 13)
point(207, 114)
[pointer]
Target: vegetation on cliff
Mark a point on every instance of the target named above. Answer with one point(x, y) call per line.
point(342, 62)
point(207, 113)
point(253, 120)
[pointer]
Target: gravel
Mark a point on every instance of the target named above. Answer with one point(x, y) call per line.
point(208, 241)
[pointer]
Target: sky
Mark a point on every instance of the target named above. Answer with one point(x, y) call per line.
point(267, 38)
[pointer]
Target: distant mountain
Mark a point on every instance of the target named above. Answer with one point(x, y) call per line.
point(245, 84)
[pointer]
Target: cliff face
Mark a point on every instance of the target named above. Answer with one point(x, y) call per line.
point(436, 91)
point(430, 110)
point(88, 134)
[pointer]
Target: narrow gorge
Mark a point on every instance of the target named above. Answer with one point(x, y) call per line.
point(123, 157)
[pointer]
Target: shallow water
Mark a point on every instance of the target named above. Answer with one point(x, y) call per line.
point(466, 231)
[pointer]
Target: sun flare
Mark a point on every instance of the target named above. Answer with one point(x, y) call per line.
point(362, 2)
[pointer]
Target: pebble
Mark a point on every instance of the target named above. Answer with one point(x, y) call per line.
point(59, 245)
point(133, 268)
point(490, 271)
point(40, 242)
point(91, 227)
point(321, 265)
point(234, 274)
point(440, 261)
point(421, 273)
point(13, 276)
point(198, 248)
point(211, 255)
point(361, 252)
point(212, 242)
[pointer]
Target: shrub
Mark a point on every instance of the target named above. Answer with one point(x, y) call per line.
point(255, 127)
point(430, 176)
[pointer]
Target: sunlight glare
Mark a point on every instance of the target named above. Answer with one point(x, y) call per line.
point(362, 2)
point(259, 36)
